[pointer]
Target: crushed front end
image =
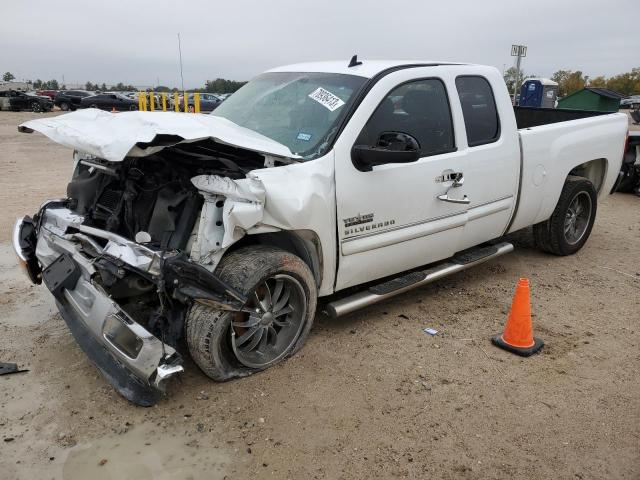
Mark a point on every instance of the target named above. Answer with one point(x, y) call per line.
point(116, 255)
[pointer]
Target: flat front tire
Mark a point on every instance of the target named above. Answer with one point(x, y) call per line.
point(570, 224)
point(276, 322)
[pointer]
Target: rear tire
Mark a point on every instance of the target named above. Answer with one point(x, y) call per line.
point(215, 337)
point(36, 107)
point(570, 224)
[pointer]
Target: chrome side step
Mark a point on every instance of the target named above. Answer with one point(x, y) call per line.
point(396, 286)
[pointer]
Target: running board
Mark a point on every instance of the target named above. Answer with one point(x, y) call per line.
point(382, 291)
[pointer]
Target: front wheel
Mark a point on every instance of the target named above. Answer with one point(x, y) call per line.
point(64, 106)
point(276, 320)
point(570, 224)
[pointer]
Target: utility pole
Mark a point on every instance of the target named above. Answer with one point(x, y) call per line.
point(517, 51)
point(180, 53)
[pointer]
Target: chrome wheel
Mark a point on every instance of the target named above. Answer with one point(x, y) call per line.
point(270, 325)
point(577, 218)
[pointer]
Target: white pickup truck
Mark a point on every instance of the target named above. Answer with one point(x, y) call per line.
point(223, 230)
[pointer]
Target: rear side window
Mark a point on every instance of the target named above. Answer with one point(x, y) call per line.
point(419, 108)
point(479, 109)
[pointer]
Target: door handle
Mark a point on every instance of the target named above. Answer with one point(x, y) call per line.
point(457, 179)
point(445, 198)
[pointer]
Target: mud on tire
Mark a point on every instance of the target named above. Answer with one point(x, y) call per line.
point(208, 331)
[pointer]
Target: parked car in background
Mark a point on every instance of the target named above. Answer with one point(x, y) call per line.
point(47, 93)
point(70, 99)
point(630, 102)
point(208, 102)
point(109, 101)
point(16, 101)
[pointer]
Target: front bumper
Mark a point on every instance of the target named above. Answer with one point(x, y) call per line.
point(135, 362)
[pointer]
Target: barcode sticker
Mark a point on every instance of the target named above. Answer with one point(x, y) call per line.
point(326, 98)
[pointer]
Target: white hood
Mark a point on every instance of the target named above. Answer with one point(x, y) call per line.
point(114, 136)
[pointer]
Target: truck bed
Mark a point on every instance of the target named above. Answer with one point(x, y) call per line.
point(527, 117)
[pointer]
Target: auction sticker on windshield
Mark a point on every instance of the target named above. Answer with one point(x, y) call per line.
point(326, 98)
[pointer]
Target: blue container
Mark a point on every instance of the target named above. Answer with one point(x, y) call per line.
point(538, 92)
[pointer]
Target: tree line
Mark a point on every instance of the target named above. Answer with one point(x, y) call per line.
point(569, 81)
point(219, 85)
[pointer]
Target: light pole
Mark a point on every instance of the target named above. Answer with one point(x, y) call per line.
point(180, 54)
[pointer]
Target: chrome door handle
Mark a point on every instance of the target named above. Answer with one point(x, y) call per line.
point(445, 198)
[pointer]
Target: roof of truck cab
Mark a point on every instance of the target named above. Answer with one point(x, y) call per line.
point(368, 69)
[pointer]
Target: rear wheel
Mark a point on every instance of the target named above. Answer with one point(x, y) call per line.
point(275, 324)
point(569, 227)
point(133, 107)
point(36, 107)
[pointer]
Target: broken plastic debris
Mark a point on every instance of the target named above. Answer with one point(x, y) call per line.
point(430, 331)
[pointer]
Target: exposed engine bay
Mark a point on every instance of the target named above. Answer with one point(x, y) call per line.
point(153, 195)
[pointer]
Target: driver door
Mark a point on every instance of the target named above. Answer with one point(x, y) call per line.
point(390, 218)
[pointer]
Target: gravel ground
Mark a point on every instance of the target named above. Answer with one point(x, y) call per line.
point(370, 396)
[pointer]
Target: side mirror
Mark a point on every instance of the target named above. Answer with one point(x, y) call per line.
point(391, 147)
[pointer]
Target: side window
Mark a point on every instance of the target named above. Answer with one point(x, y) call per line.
point(419, 108)
point(481, 119)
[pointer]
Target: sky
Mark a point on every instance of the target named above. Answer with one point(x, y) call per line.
point(135, 42)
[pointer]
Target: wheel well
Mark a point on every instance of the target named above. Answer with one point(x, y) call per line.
point(303, 243)
point(594, 170)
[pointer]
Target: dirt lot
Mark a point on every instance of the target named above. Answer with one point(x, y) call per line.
point(370, 396)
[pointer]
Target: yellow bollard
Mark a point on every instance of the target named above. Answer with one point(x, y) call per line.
point(176, 101)
point(142, 98)
point(141, 105)
point(196, 103)
point(152, 101)
point(164, 102)
point(185, 101)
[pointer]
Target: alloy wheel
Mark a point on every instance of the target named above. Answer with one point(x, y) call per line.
point(271, 323)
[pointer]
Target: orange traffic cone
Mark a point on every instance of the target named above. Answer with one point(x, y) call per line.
point(518, 333)
point(113, 110)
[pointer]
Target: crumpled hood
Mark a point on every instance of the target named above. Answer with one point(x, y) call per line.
point(114, 136)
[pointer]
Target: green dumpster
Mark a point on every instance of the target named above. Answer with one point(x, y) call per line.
point(591, 98)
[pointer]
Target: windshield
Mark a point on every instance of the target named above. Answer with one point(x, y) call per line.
point(299, 110)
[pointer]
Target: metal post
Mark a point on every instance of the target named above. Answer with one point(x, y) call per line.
point(517, 80)
point(180, 53)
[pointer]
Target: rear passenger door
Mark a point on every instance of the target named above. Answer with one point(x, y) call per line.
point(390, 218)
point(493, 159)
